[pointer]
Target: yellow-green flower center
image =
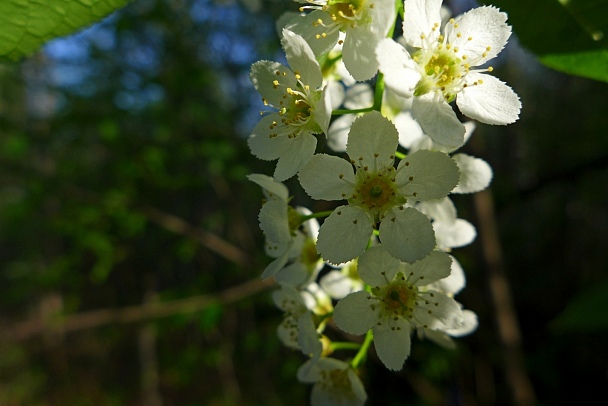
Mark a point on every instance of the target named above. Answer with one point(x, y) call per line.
point(376, 192)
point(442, 70)
point(398, 299)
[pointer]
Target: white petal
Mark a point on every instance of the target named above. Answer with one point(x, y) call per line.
point(311, 226)
point(273, 188)
point(262, 144)
point(438, 120)
point(344, 235)
point(468, 326)
point(409, 129)
point(312, 32)
point(469, 128)
point(486, 27)
point(376, 266)
point(263, 76)
point(354, 315)
point(358, 52)
point(457, 234)
point(337, 136)
point(357, 388)
point(296, 156)
point(285, 19)
point(322, 111)
point(308, 339)
point(435, 266)
point(275, 266)
point(383, 14)
point(288, 299)
point(393, 344)
point(372, 141)
point(490, 101)
point(288, 333)
point(427, 175)
point(454, 283)
point(400, 72)
point(407, 234)
point(301, 59)
point(440, 307)
point(336, 93)
point(425, 142)
point(475, 174)
point(327, 177)
point(439, 210)
point(336, 284)
point(359, 96)
point(274, 222)
point(294, 274)
point(439, 338)
point(419, 17)
point(309, 372)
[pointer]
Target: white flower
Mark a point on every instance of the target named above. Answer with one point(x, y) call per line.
point(335, 383)
point(442, 69)
point(358, 96)
point(437, 331)
point(289, 240)
point(365, 23)
point(475, 173)
point(303, 108)
point(340, 282)
point(399, 302)
point(376, 193)
point(450, 231)
point(298, 330)
point(394, 107)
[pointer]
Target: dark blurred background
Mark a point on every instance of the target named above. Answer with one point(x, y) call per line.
point(130, 252)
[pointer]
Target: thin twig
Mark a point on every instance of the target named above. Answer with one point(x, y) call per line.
point(132, 314)
point(506, 318)
point(209, 240)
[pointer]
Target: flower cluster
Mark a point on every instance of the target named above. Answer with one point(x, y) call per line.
point(379, 265)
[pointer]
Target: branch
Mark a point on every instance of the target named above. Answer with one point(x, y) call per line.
point(209, 240)
point(500, 293)
point(131, 314)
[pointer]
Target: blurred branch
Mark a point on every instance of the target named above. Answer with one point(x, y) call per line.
point(209, 240)
point(132, 314)
point(500, 292)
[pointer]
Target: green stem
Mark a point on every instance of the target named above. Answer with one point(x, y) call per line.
point(379, 92)
point(348, 111)
point(362, 354)
point(341, 345)
point(316, 215)
point(400, 155)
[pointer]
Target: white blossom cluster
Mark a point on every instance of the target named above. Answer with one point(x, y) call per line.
point(380, 263)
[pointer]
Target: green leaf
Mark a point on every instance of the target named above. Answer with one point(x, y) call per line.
point(567, 35)
point(26, 24)
point(590, 64)
point(586, 312)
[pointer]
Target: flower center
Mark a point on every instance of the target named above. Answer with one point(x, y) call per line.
point(344, 9)
point(296, 108)
point(343, 13)
point(398, 299)
point(336, 381)
point(442, 71)
point(309, 254)
point(376, 192)
point(294, 219)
